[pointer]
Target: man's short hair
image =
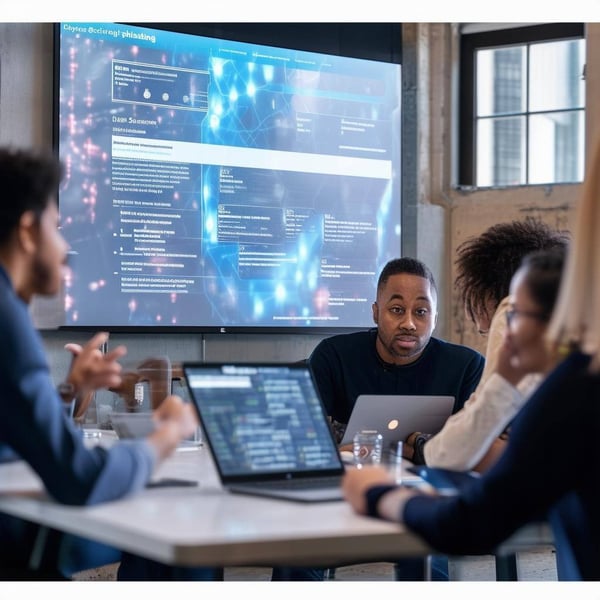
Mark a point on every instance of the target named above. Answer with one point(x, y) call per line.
point(28, 179)
point(486, 263)
point(408, 266)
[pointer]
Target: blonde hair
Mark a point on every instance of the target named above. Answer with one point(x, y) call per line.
point(575, 321)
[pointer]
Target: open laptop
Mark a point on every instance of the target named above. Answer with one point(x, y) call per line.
point(397, 416)
point(267, 430)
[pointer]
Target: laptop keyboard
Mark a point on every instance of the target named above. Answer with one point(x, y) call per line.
point(307, 483)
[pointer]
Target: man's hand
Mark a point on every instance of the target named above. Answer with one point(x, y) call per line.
point(174, 410)
point(408, 447)
point(175, 421)
point(91, 369)
point(357, 481)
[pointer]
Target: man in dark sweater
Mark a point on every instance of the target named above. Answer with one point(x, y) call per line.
point(399, 356)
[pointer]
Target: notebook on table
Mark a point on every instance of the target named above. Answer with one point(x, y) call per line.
point(266, 429)
point(397, 416)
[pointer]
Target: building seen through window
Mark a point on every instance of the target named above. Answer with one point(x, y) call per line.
point(523, 96)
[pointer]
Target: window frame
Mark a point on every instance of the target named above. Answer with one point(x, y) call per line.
point(470, 43)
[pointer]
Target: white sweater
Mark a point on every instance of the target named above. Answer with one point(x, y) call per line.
point(468, 434)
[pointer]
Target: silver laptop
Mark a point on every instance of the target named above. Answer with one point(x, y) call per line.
point(267, 429)
point(397, 416)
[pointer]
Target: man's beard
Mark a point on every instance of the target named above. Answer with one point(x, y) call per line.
point(43, 278)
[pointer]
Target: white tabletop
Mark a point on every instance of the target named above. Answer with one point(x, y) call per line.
point(206, 525)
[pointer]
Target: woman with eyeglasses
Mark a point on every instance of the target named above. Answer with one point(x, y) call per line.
point(474, 437)
point(551, 464)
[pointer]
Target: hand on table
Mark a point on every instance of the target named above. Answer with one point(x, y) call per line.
point(175, 422)
point(174, 410)
point(357, 481)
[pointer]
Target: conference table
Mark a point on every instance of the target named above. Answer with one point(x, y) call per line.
point(206, 525)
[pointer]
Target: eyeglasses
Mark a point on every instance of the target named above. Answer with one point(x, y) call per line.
point(510, 315)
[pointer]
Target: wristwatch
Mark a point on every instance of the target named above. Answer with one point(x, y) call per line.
point(66, 391)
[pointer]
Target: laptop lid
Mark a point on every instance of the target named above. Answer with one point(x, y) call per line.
point(265, 424)
point(397, 416)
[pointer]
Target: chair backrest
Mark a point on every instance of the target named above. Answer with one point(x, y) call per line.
point(156, 372)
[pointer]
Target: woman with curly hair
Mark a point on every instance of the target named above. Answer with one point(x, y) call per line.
point(474, 437)
point(549, 467)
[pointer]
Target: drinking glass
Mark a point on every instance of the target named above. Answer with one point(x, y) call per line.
point(394, 462)
point(367, 447)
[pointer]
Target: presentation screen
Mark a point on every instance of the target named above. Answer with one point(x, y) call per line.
point(218, 186)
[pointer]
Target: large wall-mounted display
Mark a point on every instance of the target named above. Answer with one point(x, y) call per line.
point(217, 185)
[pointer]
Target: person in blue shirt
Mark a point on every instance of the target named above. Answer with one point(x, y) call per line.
point(399, 356)
point(34, 426)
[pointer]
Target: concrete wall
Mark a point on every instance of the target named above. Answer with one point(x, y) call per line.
point(468, 213)
point(441, 215)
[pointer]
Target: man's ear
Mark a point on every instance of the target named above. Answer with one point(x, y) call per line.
point(28, 232)
point(375, 312)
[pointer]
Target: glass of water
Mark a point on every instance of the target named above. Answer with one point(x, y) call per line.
point(367, 447)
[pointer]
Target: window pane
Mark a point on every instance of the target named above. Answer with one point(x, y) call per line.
point(501, 81)
point(555, 79)
point(556, 147)
point(500, 151)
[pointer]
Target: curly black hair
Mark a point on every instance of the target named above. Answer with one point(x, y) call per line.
point(486, 263)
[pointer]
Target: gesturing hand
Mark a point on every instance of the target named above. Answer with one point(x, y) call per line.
point(173, 410)
point(91, 369)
